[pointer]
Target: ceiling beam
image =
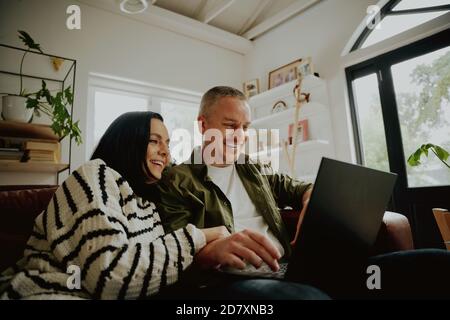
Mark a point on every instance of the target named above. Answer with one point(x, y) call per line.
point(285, 14)
point(180, 24)
point(201, 6)
point(207, 16)
point(261, 7)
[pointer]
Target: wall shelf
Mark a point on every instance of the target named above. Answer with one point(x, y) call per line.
point(307, 110)
point(38, 68)
point(11, 166)
point(302, 146)
point(27, 130)
point(309, 83)
point(317, 113)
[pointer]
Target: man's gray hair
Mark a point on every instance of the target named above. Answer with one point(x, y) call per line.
point(211, 97)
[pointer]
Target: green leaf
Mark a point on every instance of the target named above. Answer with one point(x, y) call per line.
point(28, 41)
point(441, 153)
point(32, 103)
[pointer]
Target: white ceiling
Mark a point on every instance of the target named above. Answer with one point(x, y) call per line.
point(231, 24)
point(237, 16)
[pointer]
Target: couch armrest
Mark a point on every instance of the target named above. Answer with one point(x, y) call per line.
point(394, 235)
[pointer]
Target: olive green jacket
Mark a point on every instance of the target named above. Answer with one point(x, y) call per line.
point(188, 195)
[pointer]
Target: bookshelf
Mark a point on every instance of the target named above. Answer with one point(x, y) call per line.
point(24, 133)
point(9, 166)
point(317, 112)
point(38, 165)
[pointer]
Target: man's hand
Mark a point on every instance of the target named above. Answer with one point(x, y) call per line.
point(231, 251)
point(215, 233)
point(299, 222)
point(305, 201)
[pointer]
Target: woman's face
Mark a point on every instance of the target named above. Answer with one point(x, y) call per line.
point(158, 154)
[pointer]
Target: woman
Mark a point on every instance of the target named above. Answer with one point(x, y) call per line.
point(98, 238)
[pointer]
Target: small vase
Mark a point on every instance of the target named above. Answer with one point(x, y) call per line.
point(14, 108)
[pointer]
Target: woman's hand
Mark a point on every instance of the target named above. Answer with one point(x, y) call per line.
point(215, 233)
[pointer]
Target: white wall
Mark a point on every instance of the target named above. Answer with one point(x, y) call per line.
point(321, 32)
point(112, 44)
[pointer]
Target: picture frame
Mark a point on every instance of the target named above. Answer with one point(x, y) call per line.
point(305, 68)
point(303, 132)
point(284, 74)
point(251, 88)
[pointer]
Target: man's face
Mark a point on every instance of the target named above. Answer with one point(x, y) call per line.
point(230, 117)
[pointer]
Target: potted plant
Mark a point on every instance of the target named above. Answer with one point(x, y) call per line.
point(20, 107)
point(55, 106)
point(441, 154)
point(14, 105)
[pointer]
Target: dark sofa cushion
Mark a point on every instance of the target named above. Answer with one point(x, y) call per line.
point(19, 207)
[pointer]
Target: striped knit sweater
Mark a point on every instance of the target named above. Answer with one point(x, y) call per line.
point(95, 222)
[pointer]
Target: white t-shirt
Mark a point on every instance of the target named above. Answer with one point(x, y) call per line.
point(244, 211)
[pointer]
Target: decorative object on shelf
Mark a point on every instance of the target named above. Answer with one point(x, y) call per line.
point(302, 131)
point(299, 99)
point(305, 68)
point(53, 105)
point(284, 74)
point(279, 106)
point(57, 63)
point(251, 88)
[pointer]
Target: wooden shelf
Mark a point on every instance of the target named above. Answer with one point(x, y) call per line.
point(27, 130)
point(301, 146)
point(308, 109)
point(37, 167)
point(308, 84)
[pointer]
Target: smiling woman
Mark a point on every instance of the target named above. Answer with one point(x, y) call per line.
point(98, 223)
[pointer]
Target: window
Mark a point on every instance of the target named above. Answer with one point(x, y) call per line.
point(111, 96)
point(400, 100)
point(422, 95)
point(398, 16)
point(368, 108)
point(180, 119)
point(111, 104)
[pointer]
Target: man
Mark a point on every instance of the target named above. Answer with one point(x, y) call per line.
point(221, 187)
point(215, 189)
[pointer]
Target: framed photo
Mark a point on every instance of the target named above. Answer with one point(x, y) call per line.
point(302, 132)
point(305, 68)
point(284, 74)
point(251, 88)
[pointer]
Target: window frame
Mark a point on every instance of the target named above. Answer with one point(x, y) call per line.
point(387, 10)
point(381, 65)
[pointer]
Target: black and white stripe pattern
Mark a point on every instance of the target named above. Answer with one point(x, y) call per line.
point(96, 222)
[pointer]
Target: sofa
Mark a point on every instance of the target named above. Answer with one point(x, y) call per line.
point(19, 206)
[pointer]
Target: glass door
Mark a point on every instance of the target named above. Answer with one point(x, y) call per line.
point(399, 101)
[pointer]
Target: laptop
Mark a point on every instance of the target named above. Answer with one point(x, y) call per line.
point(341, 223)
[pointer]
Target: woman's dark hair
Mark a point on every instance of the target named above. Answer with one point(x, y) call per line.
point(123, 147)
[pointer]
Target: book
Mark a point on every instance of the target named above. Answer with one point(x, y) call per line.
point(37, 145)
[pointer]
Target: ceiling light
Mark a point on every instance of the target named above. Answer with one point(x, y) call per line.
point(133, 6)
